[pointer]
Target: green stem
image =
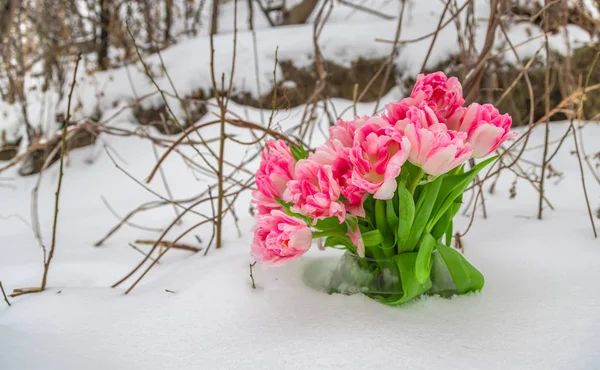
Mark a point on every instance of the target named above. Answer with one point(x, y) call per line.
point(412, 185)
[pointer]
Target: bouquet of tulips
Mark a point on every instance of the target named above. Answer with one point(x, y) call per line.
point(385, 188)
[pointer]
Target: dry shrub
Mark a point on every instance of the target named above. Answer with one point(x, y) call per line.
point(34, 161)
point(340, 83)
point(160, 118)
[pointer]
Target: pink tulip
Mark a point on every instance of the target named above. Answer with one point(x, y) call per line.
point(315, 192)
point(442, 94)
point(378, 153)
point(423, 116)
point(399, 111)
point(436, 149)
point(275, 171)
point(279, 238)
point(354, 196)
point(338, 157)
point(486, 128)
point(342, 133)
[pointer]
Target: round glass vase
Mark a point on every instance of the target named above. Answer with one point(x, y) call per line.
point(381, 278)
point(354, 274)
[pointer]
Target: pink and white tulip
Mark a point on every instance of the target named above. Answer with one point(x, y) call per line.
point(399, 111)
point(485, 127)
point(315, 192)
point(275, 171)
point(422, 116)
point(436, 149)
point(337, 155)
point(354, 196)
point(342, 133)
point(378, 153)
point(279, 238)
point(442, 94)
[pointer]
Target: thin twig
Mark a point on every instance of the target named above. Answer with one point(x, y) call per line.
point(547, 126)
point(177, 240)
point(458, 242)
point(560, 143)
point(167, 105)
point(577, 151)
point(388, 68)
point(214, 215)
point(136, 226)
point(63, 147)
point(156, 244)
point(164, 180)
point(251, 275)
point(140, 251)
point(60, 178)
point(188, 209)
point(256, 63)
point(165, 243)
point(435, 35)
point(124, 220)
point(518, 78)
point(366, 10)
point(144, 186)
point(587, 200)
point(354, 98)
point(421, 38)
point(6, 298)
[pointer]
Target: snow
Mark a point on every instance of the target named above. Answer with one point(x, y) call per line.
point(538, 308)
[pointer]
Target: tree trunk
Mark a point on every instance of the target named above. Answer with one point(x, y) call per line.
point(168, 21)
point(7, 12)
point(103, 60)
point(149, 24)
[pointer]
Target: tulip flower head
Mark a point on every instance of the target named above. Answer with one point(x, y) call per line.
point(436, 149)
point(314, 191)
point(275, 171)
point(378, 153)
point(279, 238)
point(485, 127)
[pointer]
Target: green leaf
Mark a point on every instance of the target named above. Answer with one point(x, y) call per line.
point(423, 262)
point(298, 152)
point(445, 221)
point(331, 223)
point(382, 224)
point(424, 208)
point(466, 277)
point(372, 238)
point(454, 186)
point(410, 285)
point(392, 218)
point(441, 226)
point(286, 208)
point(333, 241)
point(283, 203)
point(449, 232)
point(406, 213)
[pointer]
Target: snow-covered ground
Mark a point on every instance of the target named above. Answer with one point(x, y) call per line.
point(538, 309)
